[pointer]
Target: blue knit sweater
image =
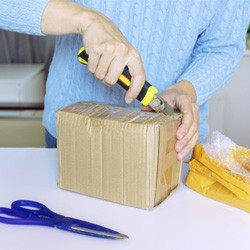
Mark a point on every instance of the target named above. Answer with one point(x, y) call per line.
point(196, 40)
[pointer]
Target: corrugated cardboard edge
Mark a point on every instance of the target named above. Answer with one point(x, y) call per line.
point(168, 178)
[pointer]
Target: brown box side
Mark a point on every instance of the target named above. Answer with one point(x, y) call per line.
point(129, 160)
point(169, 168)
point(90, 162)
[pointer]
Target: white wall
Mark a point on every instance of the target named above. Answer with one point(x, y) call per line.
point(229, 110)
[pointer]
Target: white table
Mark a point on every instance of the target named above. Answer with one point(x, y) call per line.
point(186, 220)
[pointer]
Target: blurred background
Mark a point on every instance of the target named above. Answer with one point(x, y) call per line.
point(229, 109)
point(24, 64)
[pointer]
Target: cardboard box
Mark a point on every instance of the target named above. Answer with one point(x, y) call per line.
point(117, 154)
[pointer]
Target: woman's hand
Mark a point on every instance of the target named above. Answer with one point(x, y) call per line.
point(182, 96)
point(108, 50)
point(109, 53)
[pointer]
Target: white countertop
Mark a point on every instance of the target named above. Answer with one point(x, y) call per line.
point(186, 220)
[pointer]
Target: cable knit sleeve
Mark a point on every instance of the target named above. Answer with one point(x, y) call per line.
point(22, 16)
point(218, 49)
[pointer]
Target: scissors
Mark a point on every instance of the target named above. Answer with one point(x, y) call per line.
point(26, 212)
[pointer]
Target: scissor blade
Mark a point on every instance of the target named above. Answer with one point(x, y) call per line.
point(100, 233)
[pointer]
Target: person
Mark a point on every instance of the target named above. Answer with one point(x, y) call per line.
point(187, 49)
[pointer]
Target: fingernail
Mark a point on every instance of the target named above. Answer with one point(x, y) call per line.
point(182, 134)
point(180, 156)
point(178, 147)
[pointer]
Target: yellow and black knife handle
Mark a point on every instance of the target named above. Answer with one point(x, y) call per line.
point(148, 92)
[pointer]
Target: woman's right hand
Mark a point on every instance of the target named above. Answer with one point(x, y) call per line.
point(108, 50)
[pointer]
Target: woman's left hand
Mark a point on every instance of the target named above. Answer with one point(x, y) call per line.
point(182, 97)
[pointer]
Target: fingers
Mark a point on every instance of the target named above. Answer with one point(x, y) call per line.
point(186, 143)
point(189, 147)
point(117, 65)
point(184, 104)
point(138, 79)
point(108, 62)
point(182, 96)
point(109, 53)
point(99, 66)
point(187, 134)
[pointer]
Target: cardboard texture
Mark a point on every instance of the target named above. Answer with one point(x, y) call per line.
point(117, 154)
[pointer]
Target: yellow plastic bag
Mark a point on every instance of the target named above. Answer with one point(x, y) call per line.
point(222, 174)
